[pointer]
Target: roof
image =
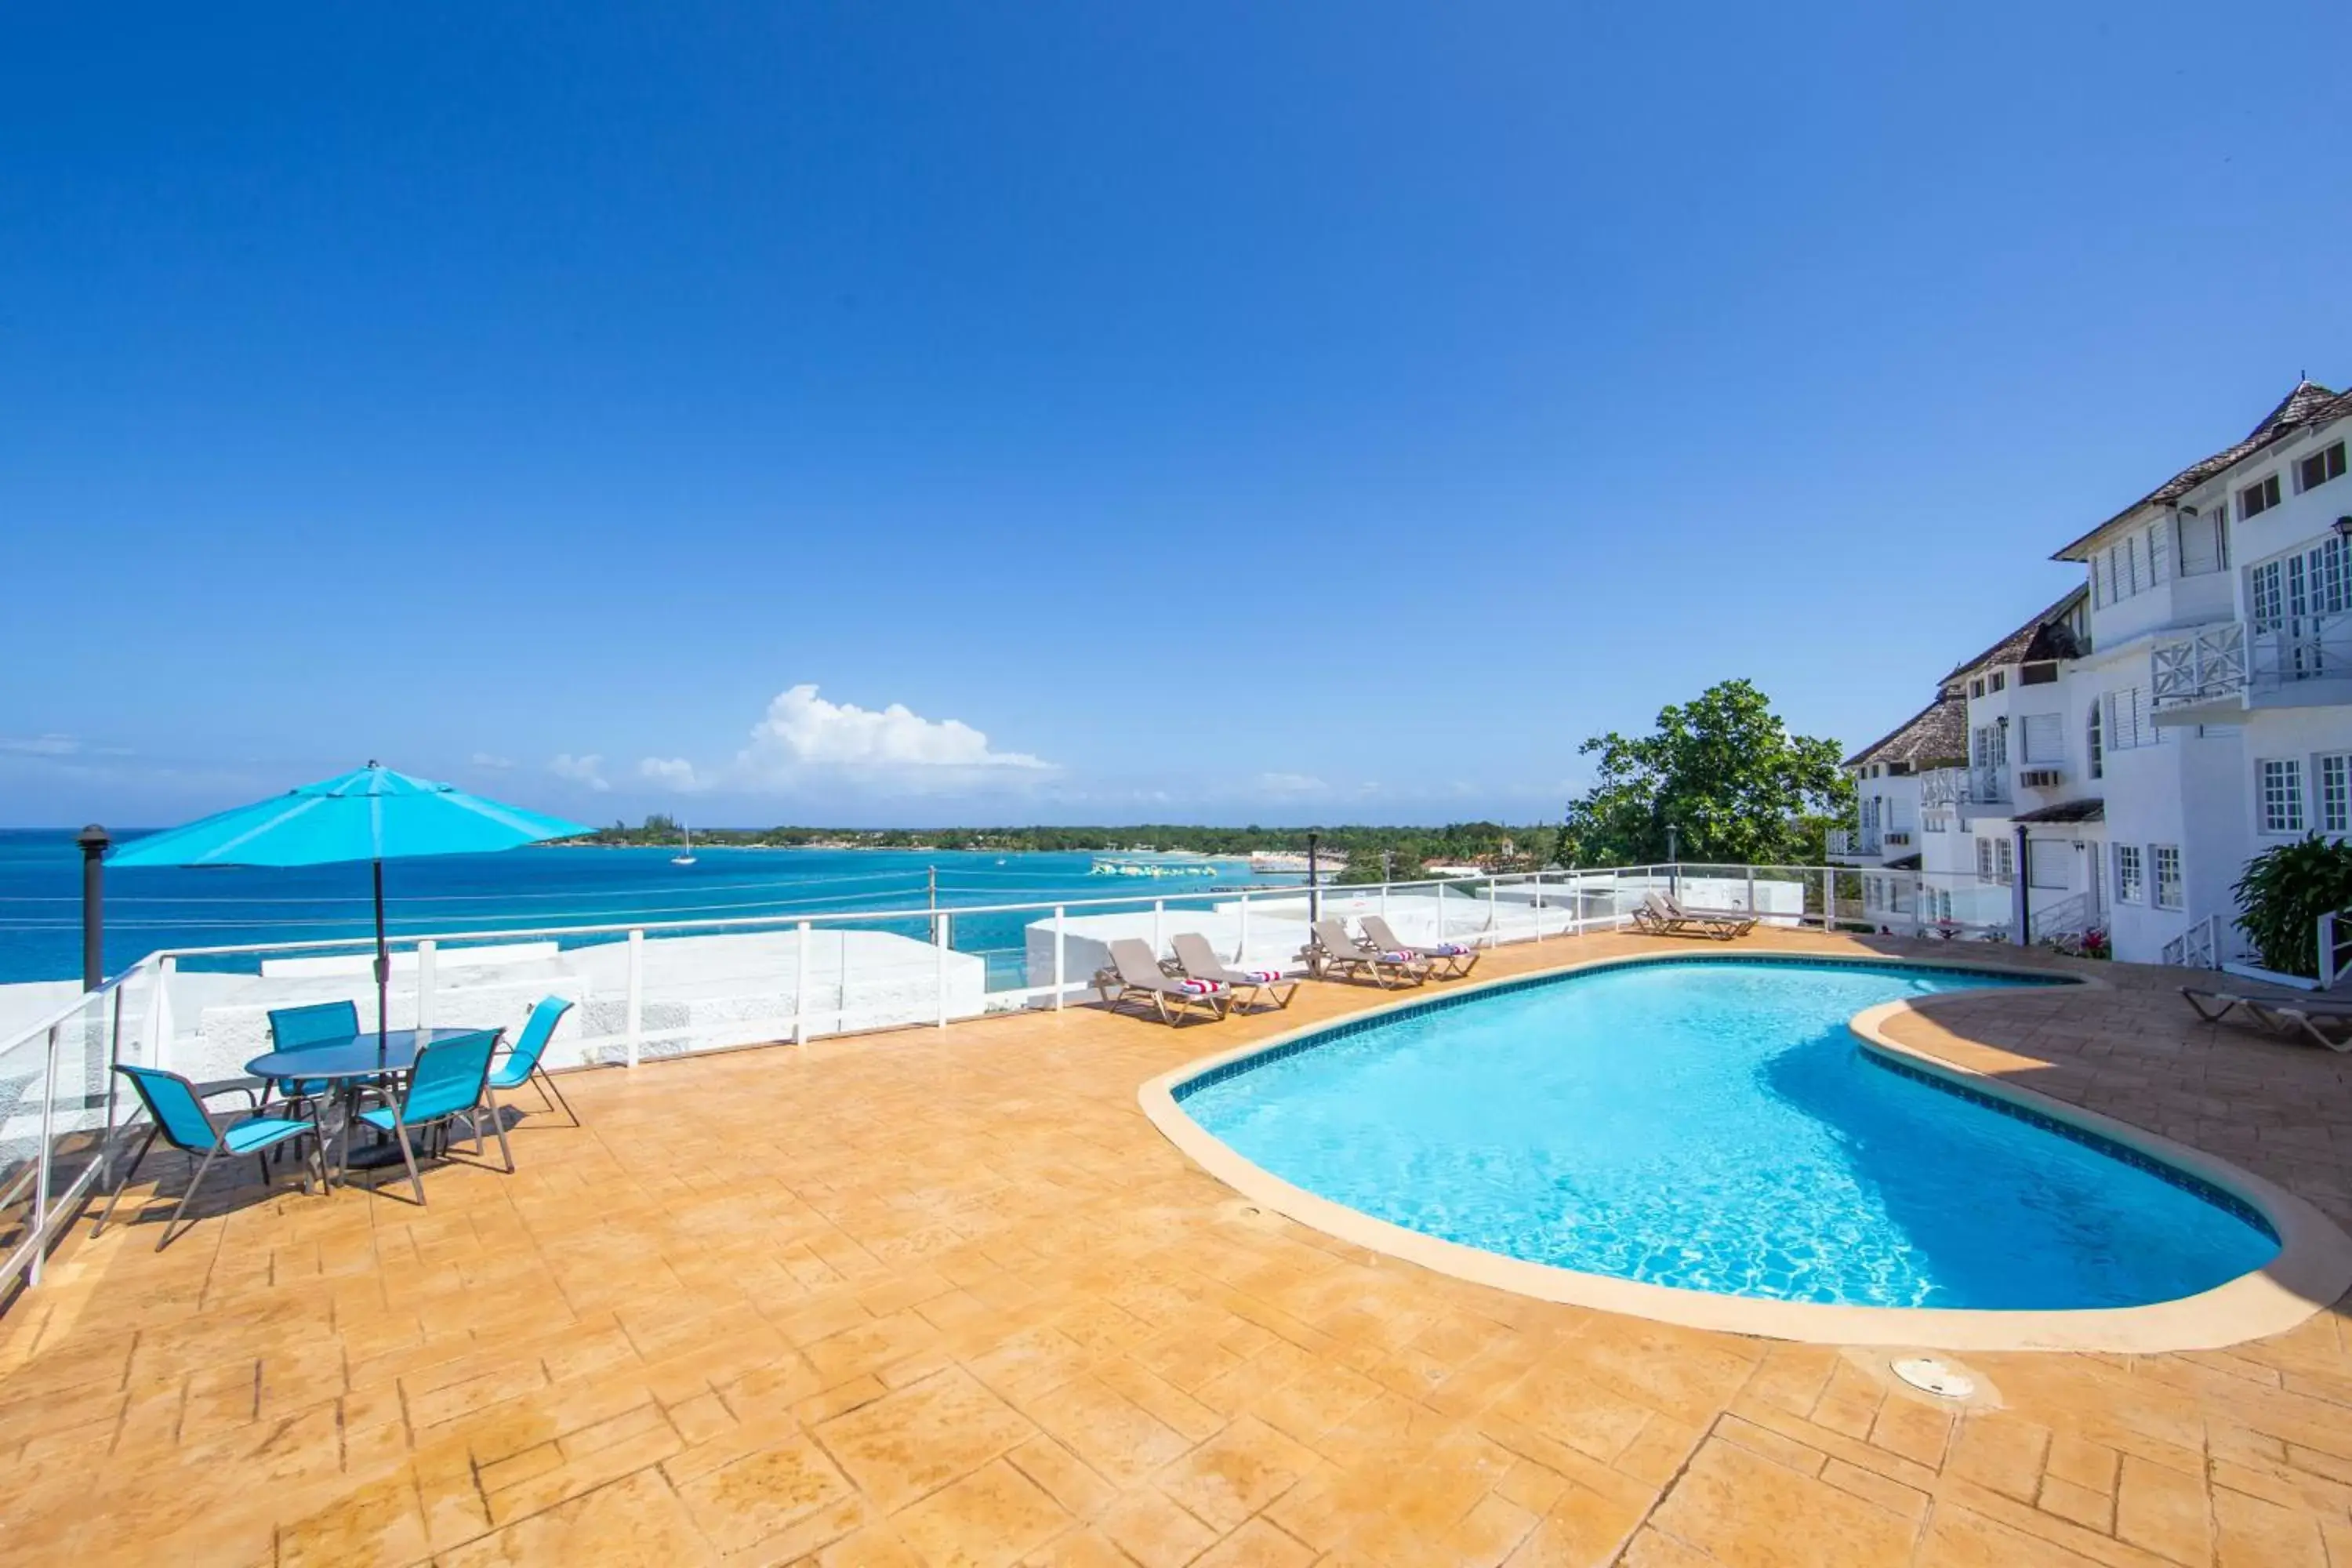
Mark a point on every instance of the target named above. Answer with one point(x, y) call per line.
point(2066, 811)
point(2309, 404)
point(1938, 732)
point(2046, 636)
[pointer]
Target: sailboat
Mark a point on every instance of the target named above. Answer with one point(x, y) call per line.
point(685, 857)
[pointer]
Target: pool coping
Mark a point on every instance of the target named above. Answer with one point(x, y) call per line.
point(2311, 1270)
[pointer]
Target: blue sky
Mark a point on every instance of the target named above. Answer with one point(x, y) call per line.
point(1092, 413)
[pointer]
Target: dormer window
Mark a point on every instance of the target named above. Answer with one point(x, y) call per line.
point(2319, 468)
point(1975, 687)
point(2038, 674)
point(2258, 498)
point(1999, 678)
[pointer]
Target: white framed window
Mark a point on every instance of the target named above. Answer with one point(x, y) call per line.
point(2130, 721)
point(2096, 751)
point(2049, 863)
point(2258, 498)
point(1997, 680)
point(2164, 860)
point(2204, 543)
point(2319, 468)
point(2046, 738)
point(2004, 862)
point(2127, 874)
point(2335, 793)
point(2281, 794)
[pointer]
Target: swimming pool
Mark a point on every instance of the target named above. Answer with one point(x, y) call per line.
point(1714, 1125)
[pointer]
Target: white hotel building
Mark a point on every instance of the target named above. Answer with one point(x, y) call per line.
point(2115, 762)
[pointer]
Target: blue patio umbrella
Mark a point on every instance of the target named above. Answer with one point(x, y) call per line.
point(373, 814)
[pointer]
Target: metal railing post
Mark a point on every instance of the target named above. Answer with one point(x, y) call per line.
point(1751, 890)
point(1438, 888)
point(1829, 900)
point(1494, 916)
point(1536, 903)
point(635, 1023)
point(800, 985)
point(1158, 920)
point(841, 988)
point(425, 951)
point(41, 1172)
point(1061, 949)
point(1241, 949)
point(158, 1015)
point(941, 932)
point(2327, 950)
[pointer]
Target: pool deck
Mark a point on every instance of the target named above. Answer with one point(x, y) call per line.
point(950, 1298)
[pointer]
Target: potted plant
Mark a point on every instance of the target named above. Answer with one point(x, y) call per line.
point(2284, 892)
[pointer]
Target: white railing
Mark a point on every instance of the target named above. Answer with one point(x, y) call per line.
point(2206, 665)
point(2066, 917)
point(1852, 841)
point(2335, 938)
point(2200, 947)
point(2300, 648)
point(673, 988)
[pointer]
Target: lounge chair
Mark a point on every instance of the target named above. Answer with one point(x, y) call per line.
point(1199, 960)
point(1133, 975)
point(178, 1114)
point(522, 1063)
point(450, 1080)
point(1660, 916)
point(1331, 950)
point(2265, 1007)
point(1446, 959)
point(1740, 923)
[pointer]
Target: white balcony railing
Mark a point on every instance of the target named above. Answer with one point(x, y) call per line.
point(2204, 665)
point(2234, 659)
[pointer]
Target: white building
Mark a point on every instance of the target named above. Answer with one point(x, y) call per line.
point(2129, 749)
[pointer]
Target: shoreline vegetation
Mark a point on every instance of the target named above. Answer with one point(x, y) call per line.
point(1401, 851)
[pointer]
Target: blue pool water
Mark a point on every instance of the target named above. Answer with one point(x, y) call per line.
point(1716, 1126)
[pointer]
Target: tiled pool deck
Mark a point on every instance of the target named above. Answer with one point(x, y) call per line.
point(950, 1298)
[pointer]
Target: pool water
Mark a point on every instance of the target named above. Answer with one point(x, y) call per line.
point(1717, 1126)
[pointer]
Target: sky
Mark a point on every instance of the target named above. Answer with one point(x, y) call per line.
point(922, 413)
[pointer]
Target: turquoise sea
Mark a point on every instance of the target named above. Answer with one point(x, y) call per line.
point(40, 896)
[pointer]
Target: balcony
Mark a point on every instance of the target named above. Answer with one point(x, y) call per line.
point(2210, 673)
point(1853, 842)
point(1964, 786)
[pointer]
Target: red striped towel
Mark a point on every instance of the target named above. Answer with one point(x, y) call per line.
point(1263, 976)
point(1204, 987)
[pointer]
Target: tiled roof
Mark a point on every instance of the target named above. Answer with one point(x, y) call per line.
point(1937, 733)
point(2309, 404)
point(2046, 636)
point(2066, 811)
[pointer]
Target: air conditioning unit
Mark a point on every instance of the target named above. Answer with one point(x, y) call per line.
point(1898, 836)
point(2038, 778)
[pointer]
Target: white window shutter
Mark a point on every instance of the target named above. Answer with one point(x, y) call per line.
point(2046, 738)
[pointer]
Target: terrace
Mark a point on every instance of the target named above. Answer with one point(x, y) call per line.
point(937, 1296)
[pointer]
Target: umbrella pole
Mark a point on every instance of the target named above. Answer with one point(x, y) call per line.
point(382, 966)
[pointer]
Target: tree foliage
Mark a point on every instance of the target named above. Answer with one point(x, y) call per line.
point(2284, 892)
point(1724, 773)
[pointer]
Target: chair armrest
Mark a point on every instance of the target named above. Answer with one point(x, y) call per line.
point(251, 1088)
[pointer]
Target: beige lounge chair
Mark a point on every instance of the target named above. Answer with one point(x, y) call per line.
point(2275, 1009)
point(1446, 959)
point(1333, 951)
point(1661, 916)
point(1133, 975)
point(1199, 960)
point(1741, 923)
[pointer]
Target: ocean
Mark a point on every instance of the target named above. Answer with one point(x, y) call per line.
point(40, 896)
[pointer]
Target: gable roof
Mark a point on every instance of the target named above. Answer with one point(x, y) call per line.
point(2309, 404)
point(2046, 636)
point(1937, 733)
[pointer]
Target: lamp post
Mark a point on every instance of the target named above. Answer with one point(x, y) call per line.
point(93, 841)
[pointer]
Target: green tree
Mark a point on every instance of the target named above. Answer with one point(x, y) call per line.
point(1724, 773)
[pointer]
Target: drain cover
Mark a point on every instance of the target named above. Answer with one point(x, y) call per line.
point(1932, 1376)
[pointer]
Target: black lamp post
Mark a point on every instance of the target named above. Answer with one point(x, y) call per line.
point(93, 841)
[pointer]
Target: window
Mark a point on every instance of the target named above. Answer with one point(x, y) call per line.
point(1996, 861)
point(1976, 688)
point(2335, 793)
point(2204, 547)
point(2046, 738)
point(2129, 722)
point(1991, 749)
point(2093, 750)
point(2319, 468)
point(2166, 859)
point(2258, 498)
point(2282, 794)
point(2038, 674)
point(2127, 874)
point(2049, 863)
point(1896, 769)
point(1999, 678)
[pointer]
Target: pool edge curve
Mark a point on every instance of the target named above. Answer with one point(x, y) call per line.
point(2311, 1271)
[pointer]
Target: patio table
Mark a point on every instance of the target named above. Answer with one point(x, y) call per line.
point(349, 1064)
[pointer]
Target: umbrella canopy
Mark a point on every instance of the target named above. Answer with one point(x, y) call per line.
point(374, 813)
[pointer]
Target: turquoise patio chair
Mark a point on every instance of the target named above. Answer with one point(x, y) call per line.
point(450, 1080)
point(304, 1028)
point(522, 1063)
point(176, 1113)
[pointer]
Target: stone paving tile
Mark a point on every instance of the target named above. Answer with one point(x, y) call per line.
point(923, 1299)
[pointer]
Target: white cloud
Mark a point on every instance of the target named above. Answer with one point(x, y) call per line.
point(500, 764)
point(674, 772)
point(49, 745)
point(584, 769)
point(803, 739)
point(1290, 784)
